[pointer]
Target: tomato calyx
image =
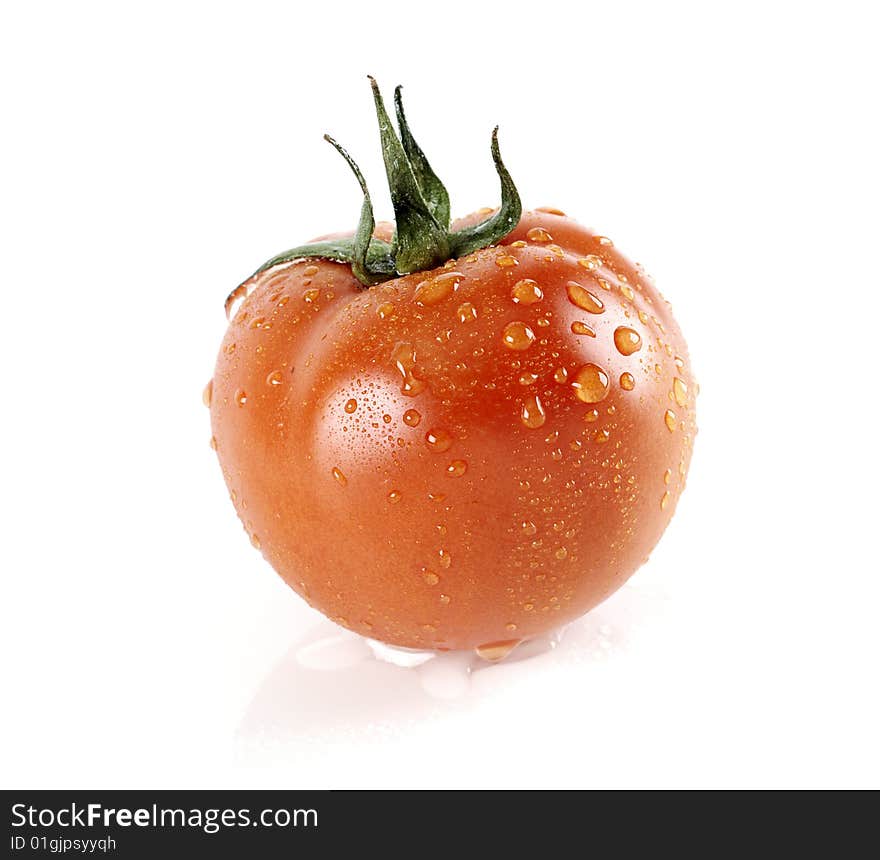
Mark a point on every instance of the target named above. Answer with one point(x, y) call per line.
point(422, 238)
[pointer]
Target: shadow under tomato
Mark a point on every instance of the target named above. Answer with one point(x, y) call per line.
point(330, 685)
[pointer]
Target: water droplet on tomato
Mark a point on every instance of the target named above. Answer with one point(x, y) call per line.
point(601, 436)
point(538, 234)
point(627, 381)
point(604, 240)
point(560, 375)
point(274, 378)
point(466, 312)
point(670, 419)
point(590, 383)
point(438, 440)
point(664, 500)
point(456, 468)
point(583, 298)
point(679, 391)
point(437, 289)
point(627, 340)
point(240, 397)
point(394, 497)
point(526, 292)
point(517, 336)
point(445, 559)
point(235, 300)
point(339, 476)
point(627, 292)
point(528, 378)
point(385, 310)
point(505, 261)
point(582, 328)
point(311, 295)
point(351, 406)
point(411, 418)
point(492, 652)
point(532, 413)
point(667, 476)
point(213, 443)
point(561, 553)
point(429, 576)
point(255, 542)
point(403, 356)
point(208, 393)
point(591, 262)
point(310, 271)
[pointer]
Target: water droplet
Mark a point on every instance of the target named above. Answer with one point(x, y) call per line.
point(591, 262)
point(438, 440)
point(583, 298)
point(351, 406)
point(532, 413)
point(259, 322)
point(466, 312)
point(604, 240)
point(550, 210)
point(679, 362)
point(495, 651)
point(230, 348)
point(394, 497)
point(510, 627)
point(444, 599)
point(561, 553)
point(437, 289)
point(235, 300)
point(627, 292)
point(403, 357)
point(538, 234)
point(255, 542)
point(591, 416)
point(529, 528)
point(670, 419)
point(560, 375)
point(518, 336)
point(339, 476)
point(213, 443)
point(680, 391)
point(528, 378)
point(429, 576)
point(310, 271)
point(436, 497)
point(526, 292)
point(505, 261)
point(590, 383)
point(627, 340)
point(667, 476)
point(456, 468)
point(664, 500)
point(274, 378)
point(445, 559)
point(601, 436)
point(385, 310)
point(627, 381)
point(311, 295)
point(411, 418)
point(579, 327)
point(240, 397)
point(208, 393)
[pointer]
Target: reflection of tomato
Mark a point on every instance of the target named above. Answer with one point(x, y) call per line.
point(467, 455)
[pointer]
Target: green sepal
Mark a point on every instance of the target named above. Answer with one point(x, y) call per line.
point(494, 229)
point(422, 239)
point(433, 191)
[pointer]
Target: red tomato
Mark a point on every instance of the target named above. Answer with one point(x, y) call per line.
point(468, 455)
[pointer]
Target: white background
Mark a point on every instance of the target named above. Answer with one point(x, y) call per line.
point(154, 154)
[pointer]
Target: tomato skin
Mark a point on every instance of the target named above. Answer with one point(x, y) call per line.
point(389, 459)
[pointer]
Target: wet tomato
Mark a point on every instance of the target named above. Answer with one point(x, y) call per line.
point(462, 456)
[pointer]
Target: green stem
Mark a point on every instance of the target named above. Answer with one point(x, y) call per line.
point(422, 239)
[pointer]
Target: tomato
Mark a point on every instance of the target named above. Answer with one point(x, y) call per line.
point(461, 457)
